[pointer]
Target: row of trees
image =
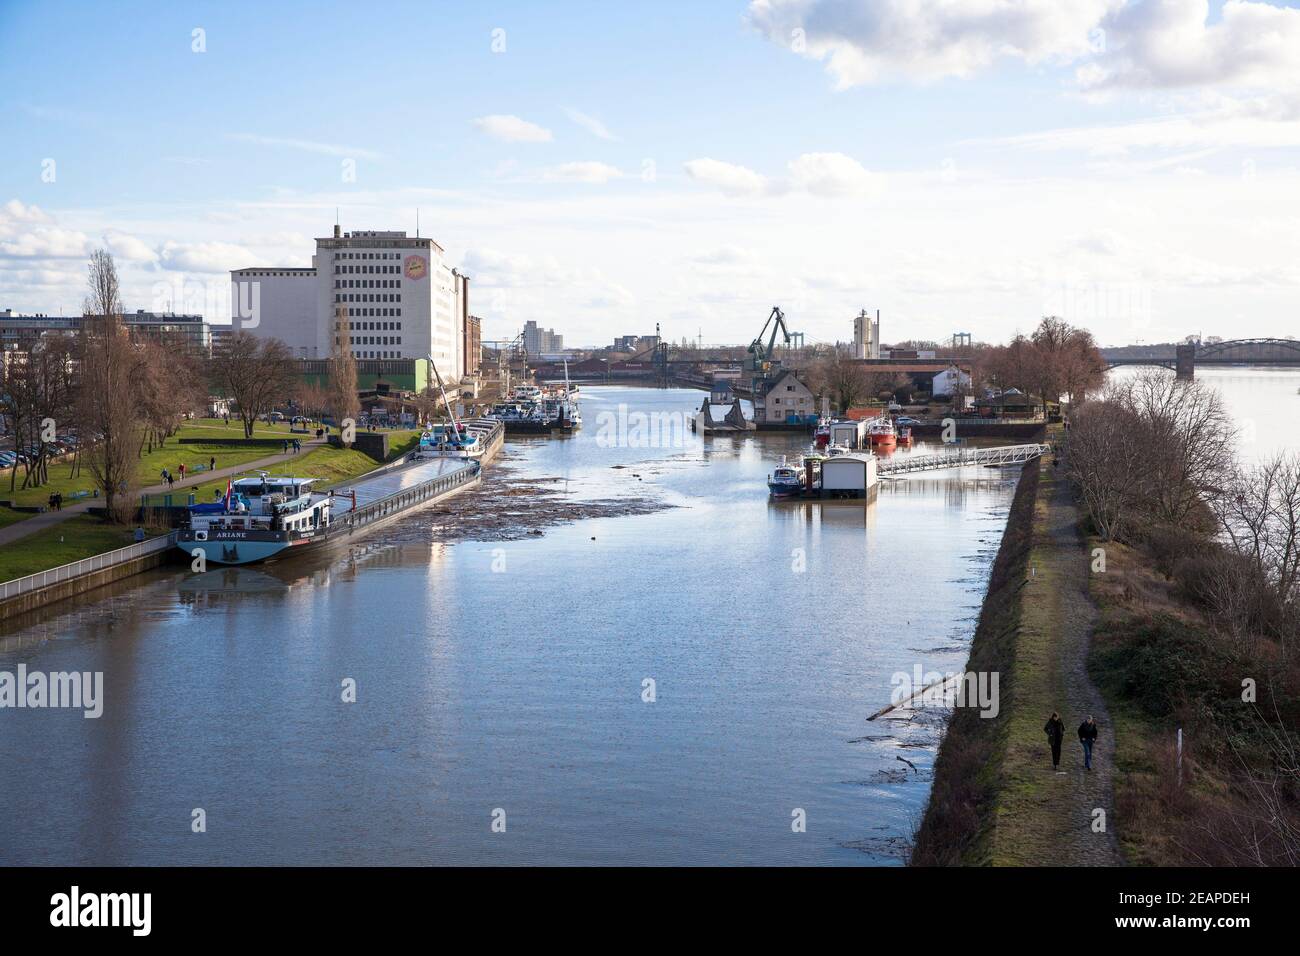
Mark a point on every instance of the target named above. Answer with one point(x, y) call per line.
point(1056, 361)
point(846, 382)
point(1150, 449)
point(122, 397)
point(1154, 454)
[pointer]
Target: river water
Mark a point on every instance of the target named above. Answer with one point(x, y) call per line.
point(1264, 402)
point(510, 674)
point(504, 649)
point(501, 647)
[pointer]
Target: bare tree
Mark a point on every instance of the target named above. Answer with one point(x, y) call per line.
point(341, 387)
point(1010, 366)
point(1103, 459)
point(312, 399)
point(1259, 512)
point(255, 374)
point(107, 415)
point(1187, 441)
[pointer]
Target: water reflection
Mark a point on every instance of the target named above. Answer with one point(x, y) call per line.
point(510, 673)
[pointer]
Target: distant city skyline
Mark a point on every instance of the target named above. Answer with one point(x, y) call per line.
point(1130, 165)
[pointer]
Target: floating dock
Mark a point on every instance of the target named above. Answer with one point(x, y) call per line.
point(854, 477)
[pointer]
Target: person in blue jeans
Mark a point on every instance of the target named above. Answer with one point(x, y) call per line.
point(1087, 737)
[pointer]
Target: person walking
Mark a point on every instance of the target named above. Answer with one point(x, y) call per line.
point(1087, 737)
point(212, 463)
point(181, 469)
point(1055, 730)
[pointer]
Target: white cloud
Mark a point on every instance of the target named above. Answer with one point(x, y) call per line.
point(14, 212)
point(129, 248)
point(308, 146)
point(831, 174)
point(1171, 43)
point(46, 242)
point(1241, 124)
point(728, 177)
point(818, 174)
point(926, 40)
point(512, 129)
point(592, 125)
point(207, 257)
point(586, 172)
point(1138, 44)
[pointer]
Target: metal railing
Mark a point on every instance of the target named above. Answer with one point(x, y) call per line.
point(1001, 455)
point(1009, 420)
point(98, 562)
point(402, 500)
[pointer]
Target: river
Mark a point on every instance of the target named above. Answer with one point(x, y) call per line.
point(1265, 402)
point(508, 672)
point(617, 650)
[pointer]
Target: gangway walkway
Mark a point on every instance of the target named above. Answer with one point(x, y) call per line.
point(957, 457)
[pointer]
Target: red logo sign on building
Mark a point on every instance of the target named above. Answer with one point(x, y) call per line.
point(416, 267)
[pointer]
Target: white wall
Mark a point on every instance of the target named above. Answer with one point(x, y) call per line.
point(300, 307)
point(284, 308)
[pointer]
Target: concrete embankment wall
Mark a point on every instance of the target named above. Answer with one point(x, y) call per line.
point(31, 600)
point(958, 821)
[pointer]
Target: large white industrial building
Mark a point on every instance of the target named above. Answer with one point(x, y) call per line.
point(402, 300)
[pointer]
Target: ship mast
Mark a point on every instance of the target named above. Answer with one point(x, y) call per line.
point(455, 425)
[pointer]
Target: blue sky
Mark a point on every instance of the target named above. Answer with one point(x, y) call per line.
point(1131, 164)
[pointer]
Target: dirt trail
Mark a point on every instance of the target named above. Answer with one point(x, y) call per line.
point(1054, 822)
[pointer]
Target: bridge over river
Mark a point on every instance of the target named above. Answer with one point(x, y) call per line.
point(1184, 357)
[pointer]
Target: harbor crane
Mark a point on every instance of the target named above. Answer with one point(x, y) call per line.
point(761, 361)
point(760, 354)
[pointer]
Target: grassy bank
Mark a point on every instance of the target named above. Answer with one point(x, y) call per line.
point(79, 537)
point(331, 465)
point(959, 823)
point(85, 535)
point(1164, 664)
point(148, 470)
point(1151, 657)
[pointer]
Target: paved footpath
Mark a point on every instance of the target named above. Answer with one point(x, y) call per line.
point(48, 519)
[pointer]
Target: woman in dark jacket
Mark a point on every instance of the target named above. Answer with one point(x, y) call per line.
point(1055, 730)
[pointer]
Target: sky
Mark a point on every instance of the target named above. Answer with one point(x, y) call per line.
point(603, 168)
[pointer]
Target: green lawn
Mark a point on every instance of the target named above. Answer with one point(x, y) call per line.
point(85, 535)
point(8, 516)
point(71, 540)
point(148, 470)
point(149, 467)
point(331, 465)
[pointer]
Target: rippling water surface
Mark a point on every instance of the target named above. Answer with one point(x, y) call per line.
point(509, 674)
